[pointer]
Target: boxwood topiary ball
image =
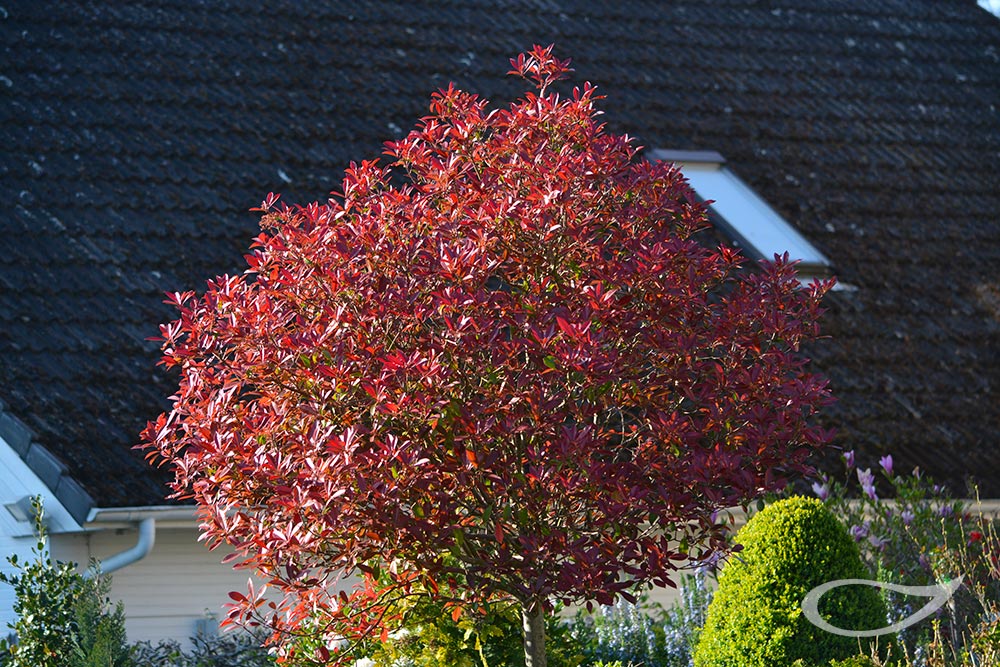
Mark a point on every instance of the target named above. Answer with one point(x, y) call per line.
point(756, 618)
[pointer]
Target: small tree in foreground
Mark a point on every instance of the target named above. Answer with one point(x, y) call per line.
point(516, 370)
point(45, 598)
point(64, 619)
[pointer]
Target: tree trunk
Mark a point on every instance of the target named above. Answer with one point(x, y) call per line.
point(533, 625)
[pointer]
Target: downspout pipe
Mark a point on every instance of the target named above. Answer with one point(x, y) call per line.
point(146, 517)
point(141, 549)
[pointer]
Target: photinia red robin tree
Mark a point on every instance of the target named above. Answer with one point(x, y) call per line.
point(500, 368)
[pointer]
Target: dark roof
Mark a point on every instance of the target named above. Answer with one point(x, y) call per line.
point(136, 136)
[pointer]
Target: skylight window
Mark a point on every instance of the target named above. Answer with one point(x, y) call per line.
point(755, 227)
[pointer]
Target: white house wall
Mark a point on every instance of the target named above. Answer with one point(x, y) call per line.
point(169, 592)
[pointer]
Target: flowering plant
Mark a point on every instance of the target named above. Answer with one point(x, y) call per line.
point(970, 635)
point(636, 634)
point(621, 632)
point(897, 536)
point(683, 622)
point(921, 536)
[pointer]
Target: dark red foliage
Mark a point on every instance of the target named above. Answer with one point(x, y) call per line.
point(519, 368)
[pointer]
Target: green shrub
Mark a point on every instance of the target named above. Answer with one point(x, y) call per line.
point(63, 619)
point(232, 649)
point(427, 634)
point(431, 637)
point(855, 661)
point(44, 595)
point(755, 618)
point(99, 639)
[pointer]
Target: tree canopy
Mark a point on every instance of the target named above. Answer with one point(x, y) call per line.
point(502, 366)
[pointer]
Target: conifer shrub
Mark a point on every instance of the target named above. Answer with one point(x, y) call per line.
point(99, 639)
point(755, 618)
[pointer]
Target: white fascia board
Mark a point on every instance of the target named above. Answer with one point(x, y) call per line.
point(18, 481)
point(758, 225)
point(748, 219)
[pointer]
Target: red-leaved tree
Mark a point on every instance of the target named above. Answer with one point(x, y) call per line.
point(508, 371)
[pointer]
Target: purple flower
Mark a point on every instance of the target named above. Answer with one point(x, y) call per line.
point(859, 532)
point(907, 517)
point(822, 491)
point(877, 542)
point(886, 463)
point(946, 511)
point(867, 480)
point(849, 459)
point(708, 564)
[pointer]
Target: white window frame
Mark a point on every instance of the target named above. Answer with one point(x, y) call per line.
point(756, 228)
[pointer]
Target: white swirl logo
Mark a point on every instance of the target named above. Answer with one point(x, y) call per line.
point(939, 594)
